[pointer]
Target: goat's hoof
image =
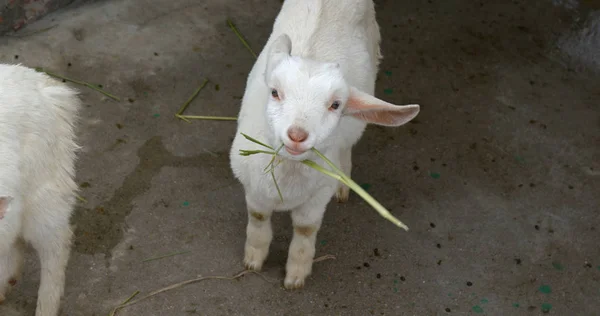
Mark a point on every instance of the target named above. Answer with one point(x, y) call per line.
point(293, 282)
point(296, 275)
point(252, 266)
point(342, 194)
point(254, 258)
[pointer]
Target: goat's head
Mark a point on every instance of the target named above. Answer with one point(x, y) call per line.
point(308, 98)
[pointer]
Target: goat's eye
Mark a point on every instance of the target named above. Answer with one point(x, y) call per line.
point(274, 93)
point(335, 105)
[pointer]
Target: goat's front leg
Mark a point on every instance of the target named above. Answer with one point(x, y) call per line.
point(258, 236)
point(307, 221)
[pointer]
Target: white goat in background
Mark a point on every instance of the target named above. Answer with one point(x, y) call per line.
point(37, 188)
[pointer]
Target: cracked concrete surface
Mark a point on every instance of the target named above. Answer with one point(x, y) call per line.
point(498, 178)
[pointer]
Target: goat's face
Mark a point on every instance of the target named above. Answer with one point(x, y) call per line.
point(308, 98)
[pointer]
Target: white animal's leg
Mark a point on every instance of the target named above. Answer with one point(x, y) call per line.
point(258, 236)
point(11, 262)
point(49, 232)
point(307, 222)
point(11, 248)
point(343, 192)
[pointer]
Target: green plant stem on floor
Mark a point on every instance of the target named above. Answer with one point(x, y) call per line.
point(240, 37)
point(166, 256)
point(83, 83)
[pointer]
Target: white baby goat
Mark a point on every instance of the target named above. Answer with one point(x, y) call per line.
point(37, 190)
point(312, 86)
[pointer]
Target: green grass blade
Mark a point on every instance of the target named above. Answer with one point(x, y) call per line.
point(331, 164)
point(376, 205)
point(79, 82)
point(240, 37)
point(187, 103)
point(317, 167)
point(336, 174)
point(166, 256)
point(276, 185)
point(256, 141)
point(362, 193)
point(181, 117)
point(273, 159)
point(209, 118)
point(244, 152)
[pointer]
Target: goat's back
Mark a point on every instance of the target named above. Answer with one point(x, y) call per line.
point(334, 31)
point(41, 113)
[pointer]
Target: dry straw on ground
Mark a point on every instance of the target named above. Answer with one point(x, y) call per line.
point(236, 276)
point(79, 82)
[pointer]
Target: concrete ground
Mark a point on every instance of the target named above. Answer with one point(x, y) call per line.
point(498, 177)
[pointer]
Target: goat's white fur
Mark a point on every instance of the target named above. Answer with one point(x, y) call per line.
point(37, 188)
point(319, 51)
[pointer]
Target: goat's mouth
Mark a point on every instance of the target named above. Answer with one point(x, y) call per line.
point(294, 152)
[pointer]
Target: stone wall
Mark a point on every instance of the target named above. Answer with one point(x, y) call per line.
point(14, 14)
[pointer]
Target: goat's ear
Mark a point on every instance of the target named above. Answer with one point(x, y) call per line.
point(281, 48)
point(373, 110)
point(4, 203)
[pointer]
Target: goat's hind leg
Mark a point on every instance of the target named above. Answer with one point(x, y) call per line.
point(11, 247)
point(50, 234)
point(11, 262)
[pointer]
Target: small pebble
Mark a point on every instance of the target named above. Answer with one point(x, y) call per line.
point(469, 283)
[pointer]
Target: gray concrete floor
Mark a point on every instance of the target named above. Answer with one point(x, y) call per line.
point(498, 178)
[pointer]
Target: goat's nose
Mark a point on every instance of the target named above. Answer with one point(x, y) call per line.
point(297, 134)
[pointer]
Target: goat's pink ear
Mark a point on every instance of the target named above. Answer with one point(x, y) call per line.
point(4, 203)
point(279, 50)
point(373, 110)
